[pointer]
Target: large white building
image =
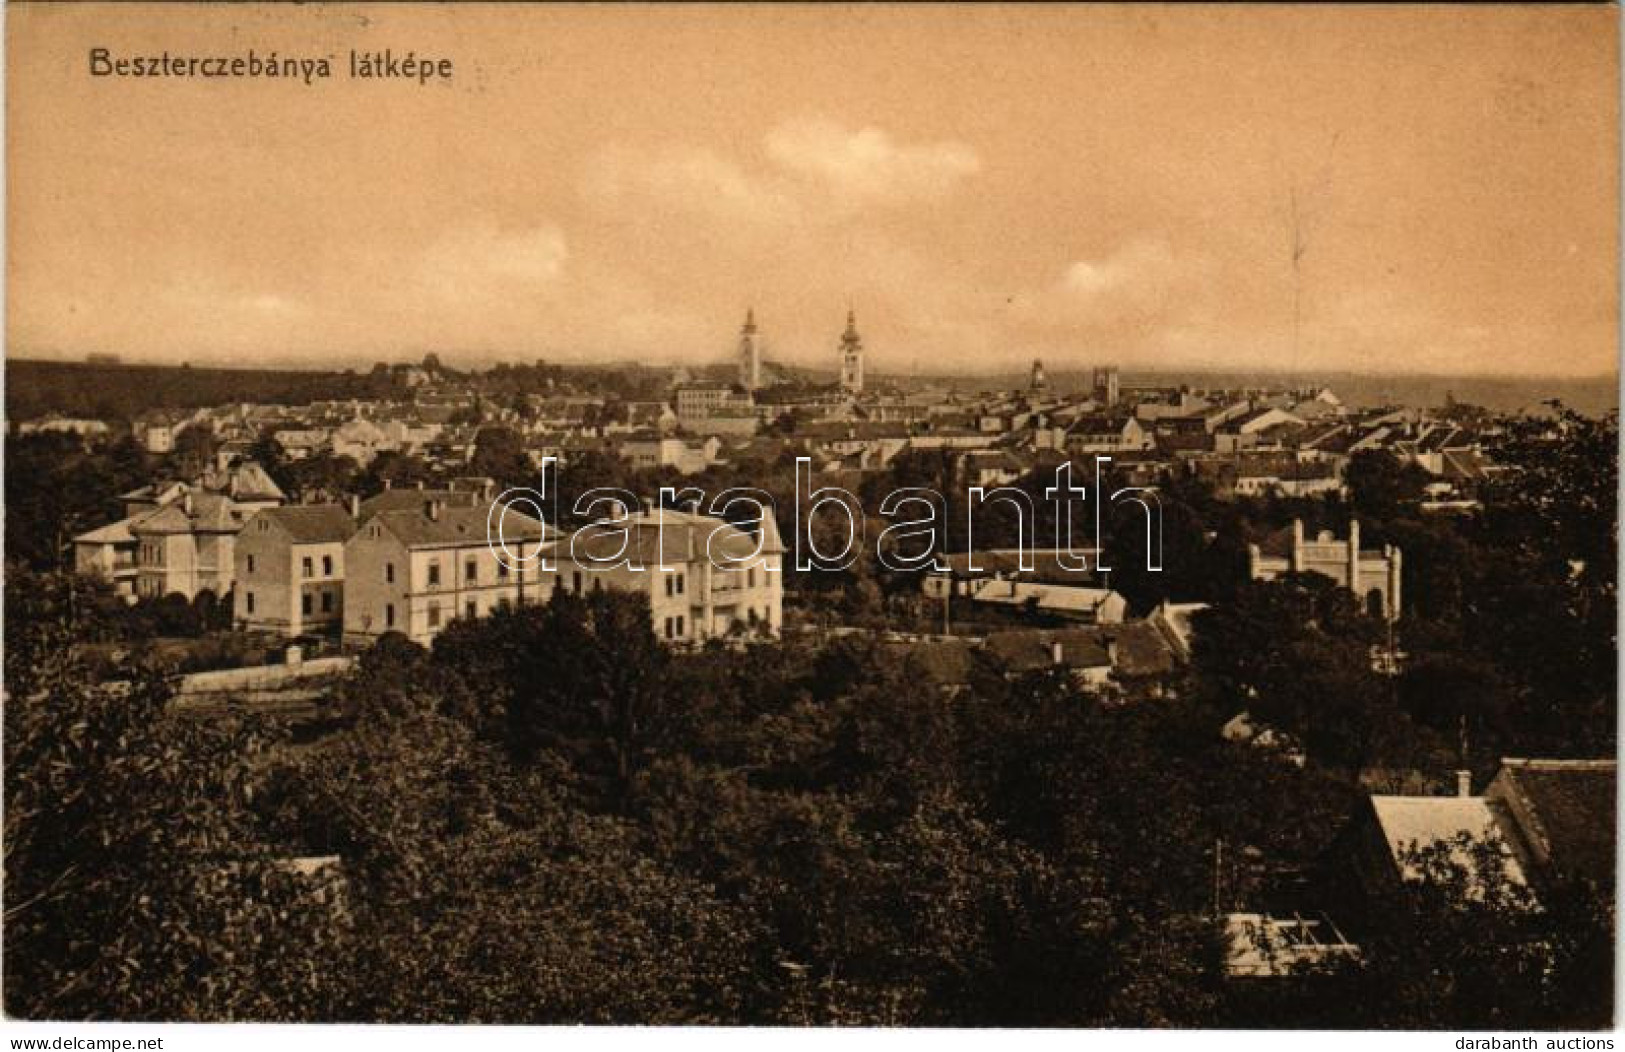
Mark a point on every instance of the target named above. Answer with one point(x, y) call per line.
point(705, 579)
point(1373, 576)
point(413, 570)
point(290, 569)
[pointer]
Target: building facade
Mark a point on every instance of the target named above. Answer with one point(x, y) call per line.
point(705, 578)
point(290, 570)
point(415, 570)
point(1373, 576)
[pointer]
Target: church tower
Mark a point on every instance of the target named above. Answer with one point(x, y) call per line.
point(750, 354)
point(1108, 385)
point(851, 356)
point(1039, 383)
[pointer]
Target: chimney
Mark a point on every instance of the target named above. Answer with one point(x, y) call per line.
point(420, 483)
point(355, 506)
point(432, 509)
point(388, 483)
point(1057, 652)
point(1464, 783)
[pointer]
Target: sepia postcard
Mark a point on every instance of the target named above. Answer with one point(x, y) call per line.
point(815, 515)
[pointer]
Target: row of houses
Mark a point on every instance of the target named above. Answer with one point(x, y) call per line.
point(413, 560)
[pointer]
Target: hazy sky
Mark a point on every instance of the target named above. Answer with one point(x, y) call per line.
point(982, 185)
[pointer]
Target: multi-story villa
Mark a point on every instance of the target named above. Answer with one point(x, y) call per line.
point(412, 570)
point(705, 578)
point(290, 569)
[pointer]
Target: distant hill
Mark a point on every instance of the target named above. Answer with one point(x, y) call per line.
point(110, 391)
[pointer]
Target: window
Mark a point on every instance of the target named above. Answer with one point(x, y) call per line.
point(668, 627)
point(434, 615)
point(679, 589)
point(389, 573)
point(434, 575)
point(671, 586)
point(250, 564)
point(679, 624)
point(308, 567)
point(327, 602)
point(304, 604)
point(327, 566)
point(502, 570)
point(471, 570)
point(577, 578)
point(471, 610)
point(248, 597)
point(750, 577)
point(389, 615)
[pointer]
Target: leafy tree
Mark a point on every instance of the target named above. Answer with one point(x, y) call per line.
point(1381, 485)
point(499, 453)
point(135, 887)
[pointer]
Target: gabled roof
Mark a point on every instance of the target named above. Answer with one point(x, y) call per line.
point(214, 513)
point(312, 523)
point(460, 527)
point(1465, 465)
point(113, 533)
point(155, 491)
point(1101, 424)
point(1142, 649)
point(166, 519)
point(1027, 650)
point(246, 481)
point(1563, 810)
point(1418, 822)
point(409, 499)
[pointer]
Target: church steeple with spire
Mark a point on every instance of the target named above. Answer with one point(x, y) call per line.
point(750, 354)
point(851, 356)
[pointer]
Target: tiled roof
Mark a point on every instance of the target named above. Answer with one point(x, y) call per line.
point(414, 499)
point(312, 523)
point(1027, 650)
point(1567, 808)
point(459, 526)
point(166, 519)
point(113, 533)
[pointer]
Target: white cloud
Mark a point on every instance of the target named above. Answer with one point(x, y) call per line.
point(271, 304)
point(868, 165)
point(693, 180)
point(1140, 263)
point(210, 295)
point(478, 258)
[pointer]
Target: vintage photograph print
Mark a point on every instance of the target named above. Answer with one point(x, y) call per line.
point(832, 515)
